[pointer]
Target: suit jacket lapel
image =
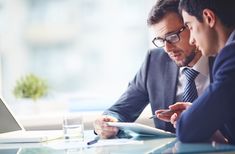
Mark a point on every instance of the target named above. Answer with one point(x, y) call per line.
point(170, 85)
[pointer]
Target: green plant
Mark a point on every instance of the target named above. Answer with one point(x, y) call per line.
point(30, 86)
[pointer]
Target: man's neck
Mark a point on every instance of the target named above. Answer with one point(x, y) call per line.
point(223, 35)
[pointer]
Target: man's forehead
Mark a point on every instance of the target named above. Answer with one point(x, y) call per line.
point(187, 18)
point(168, 25)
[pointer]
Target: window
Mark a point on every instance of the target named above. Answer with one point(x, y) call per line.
point(87, 50)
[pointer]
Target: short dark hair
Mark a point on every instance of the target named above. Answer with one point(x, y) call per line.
point(160, 9)
point(223, 9)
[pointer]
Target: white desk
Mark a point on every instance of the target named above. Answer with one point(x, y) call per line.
point(148, 145)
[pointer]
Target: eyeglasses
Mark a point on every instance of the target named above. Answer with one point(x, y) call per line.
point(171, 38)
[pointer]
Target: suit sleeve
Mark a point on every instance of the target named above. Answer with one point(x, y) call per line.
point(134, 99)
point(215, 107)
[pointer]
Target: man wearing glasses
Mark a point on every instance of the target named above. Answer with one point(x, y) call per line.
point(170, 38)
point(160, 80)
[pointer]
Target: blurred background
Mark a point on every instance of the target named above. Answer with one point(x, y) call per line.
point(86, 50)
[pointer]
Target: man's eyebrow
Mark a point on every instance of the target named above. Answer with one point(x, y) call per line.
point(168, 33)
point(171, 32)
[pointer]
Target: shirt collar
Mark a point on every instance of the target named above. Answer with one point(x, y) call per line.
point(202, 66)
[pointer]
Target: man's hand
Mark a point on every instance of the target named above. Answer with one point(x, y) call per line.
point(102, 129)
point(173, 113)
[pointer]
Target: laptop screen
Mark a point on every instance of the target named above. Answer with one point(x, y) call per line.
point(8, 122)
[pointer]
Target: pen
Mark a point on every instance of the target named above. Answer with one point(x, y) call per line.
point(153, 117)
point(95, 140)
point(169, 111)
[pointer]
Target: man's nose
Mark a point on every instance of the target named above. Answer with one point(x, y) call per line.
point(191, 40)
point(169, 46)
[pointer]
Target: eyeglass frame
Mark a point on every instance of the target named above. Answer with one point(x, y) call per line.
point(170, 35)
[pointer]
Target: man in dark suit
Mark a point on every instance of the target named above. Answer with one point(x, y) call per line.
point(160, 78)
point(212, 27)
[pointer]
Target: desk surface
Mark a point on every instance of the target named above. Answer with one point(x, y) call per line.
point(145, 145)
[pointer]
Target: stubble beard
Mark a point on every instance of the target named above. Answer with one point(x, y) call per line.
point(187, 60)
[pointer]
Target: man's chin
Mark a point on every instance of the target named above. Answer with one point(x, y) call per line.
point(207, 54)
point(179, 63)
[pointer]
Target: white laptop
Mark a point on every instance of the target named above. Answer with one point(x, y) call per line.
point(11, 131)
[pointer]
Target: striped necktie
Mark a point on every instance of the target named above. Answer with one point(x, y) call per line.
point(190, 90)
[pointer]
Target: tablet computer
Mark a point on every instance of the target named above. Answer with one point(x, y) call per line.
point(140, 129)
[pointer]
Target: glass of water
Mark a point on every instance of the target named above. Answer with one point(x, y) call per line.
point(73, 127)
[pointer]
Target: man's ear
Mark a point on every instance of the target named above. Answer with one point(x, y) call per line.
point(209, 17)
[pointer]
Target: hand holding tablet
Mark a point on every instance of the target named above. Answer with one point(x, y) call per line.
point(141, 129)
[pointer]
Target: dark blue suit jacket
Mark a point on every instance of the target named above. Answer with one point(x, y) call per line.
point(155, 83)
point(215, 108)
